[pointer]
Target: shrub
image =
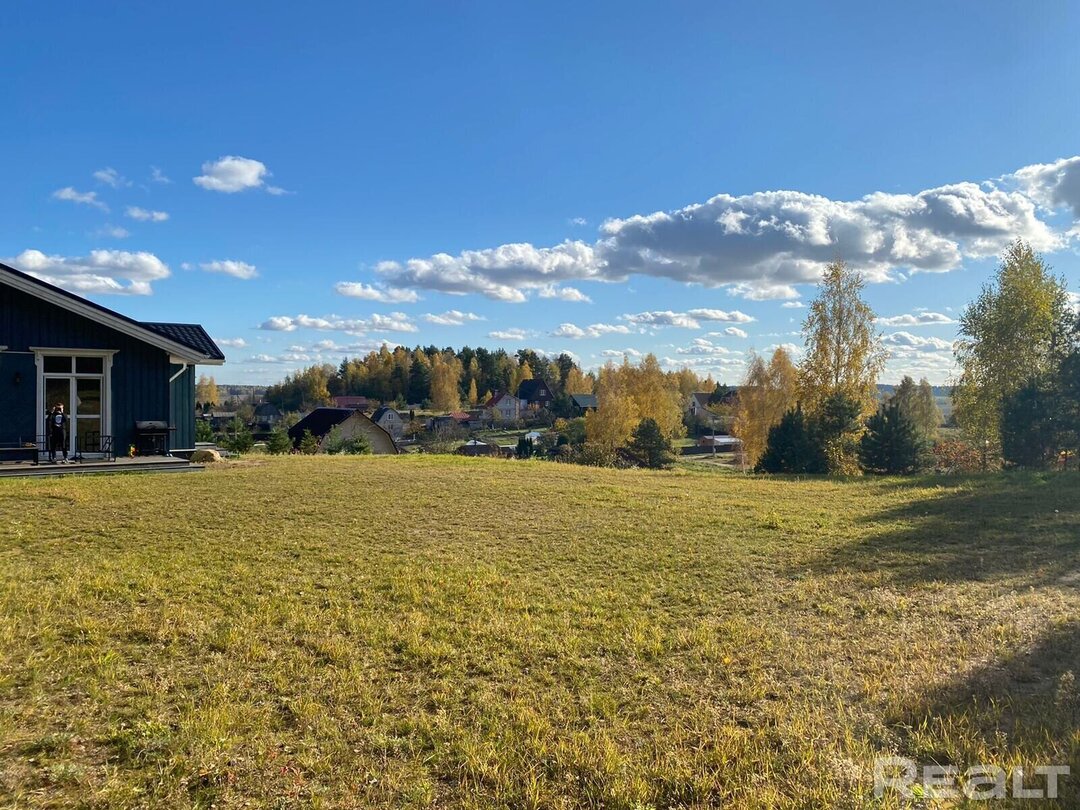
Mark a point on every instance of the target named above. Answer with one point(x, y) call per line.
point(237, 438)
point(954, 455)
point(337, 444)
point(204, 432)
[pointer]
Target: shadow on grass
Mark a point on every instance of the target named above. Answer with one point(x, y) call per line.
point(1025, 706)
point(1019, 528)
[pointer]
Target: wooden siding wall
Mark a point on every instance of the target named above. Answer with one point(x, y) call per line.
point(140, 372)
point(183, 408)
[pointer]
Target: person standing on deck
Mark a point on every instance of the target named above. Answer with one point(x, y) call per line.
point(57, 428)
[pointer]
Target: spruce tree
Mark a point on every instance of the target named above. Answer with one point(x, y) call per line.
point(892, 444)
point(794, 446)
point(650, 446)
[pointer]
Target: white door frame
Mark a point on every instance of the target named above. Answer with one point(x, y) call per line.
point(40, 353)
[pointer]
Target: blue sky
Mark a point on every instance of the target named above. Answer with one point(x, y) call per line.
point(309, 182)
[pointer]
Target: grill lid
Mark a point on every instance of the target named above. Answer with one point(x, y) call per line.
point(151, 425)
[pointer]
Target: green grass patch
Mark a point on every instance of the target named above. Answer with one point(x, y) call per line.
point(444, 632)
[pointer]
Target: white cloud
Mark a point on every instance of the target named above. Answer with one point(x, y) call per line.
point(80, 197)
point(734, 331)
point(394, 322)
point(791, 348)
point(569, 330)
point(369, 292)
point(923, 318)
point(232, 343)
point(452, 317)
point(504, 273)
point(231, 267)
point(578, 222)
point(231, 174)
point(792, 305)
point(764, 245)
point(704, 363)
point(1074, 300)
point(570, 294)
point(910, 341)
point(101, 272)
point(158, 176)
point(1052, 185)
point(111, 177)
point(622, 353)
point(705, 347)
point(685, 320)
point(509, 334)
point(113, 232)
point(143, 215)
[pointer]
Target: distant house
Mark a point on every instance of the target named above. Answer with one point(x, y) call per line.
point(698, 406)
point(505, 407)
point(219, 420)
point(448, 421)
point(389, 420)
point(353, 403)
point(109, 371)
point(322, 420)
point(475, 447)
point(536, 393)
point(720, 443)
point(583, 403)
point(266, 417)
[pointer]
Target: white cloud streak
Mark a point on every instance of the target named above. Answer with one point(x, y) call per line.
point(764, 245)
point(231, 267)
point(68, 194)
point(394, 322)
point(917, 319)
point(230, 174)
point(368, 292)
point(452, 317)
point(116, 272)
point(144, 215)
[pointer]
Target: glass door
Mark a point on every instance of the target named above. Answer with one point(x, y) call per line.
point(57, 392)
point(77, 383)
point(86, 415)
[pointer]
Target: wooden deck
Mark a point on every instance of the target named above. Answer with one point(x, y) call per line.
point(139, 464)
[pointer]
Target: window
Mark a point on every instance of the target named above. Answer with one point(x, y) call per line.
point(54, 364)
point(89, 365)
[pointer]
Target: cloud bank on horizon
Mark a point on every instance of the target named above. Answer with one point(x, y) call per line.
point(761, 246)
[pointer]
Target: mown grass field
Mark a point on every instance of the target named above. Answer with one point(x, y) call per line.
point(445, 632)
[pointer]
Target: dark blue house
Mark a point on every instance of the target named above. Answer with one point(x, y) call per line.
point(110, 371)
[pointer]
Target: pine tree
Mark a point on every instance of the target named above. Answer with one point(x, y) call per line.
point(309, 445)
point(793, 446)
point(650, 446)
point(279, 442)
point(892, 444)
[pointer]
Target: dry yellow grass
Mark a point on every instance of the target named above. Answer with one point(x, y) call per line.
point(441, 632)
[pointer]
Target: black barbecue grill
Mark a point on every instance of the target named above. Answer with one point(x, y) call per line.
point(152, 438)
